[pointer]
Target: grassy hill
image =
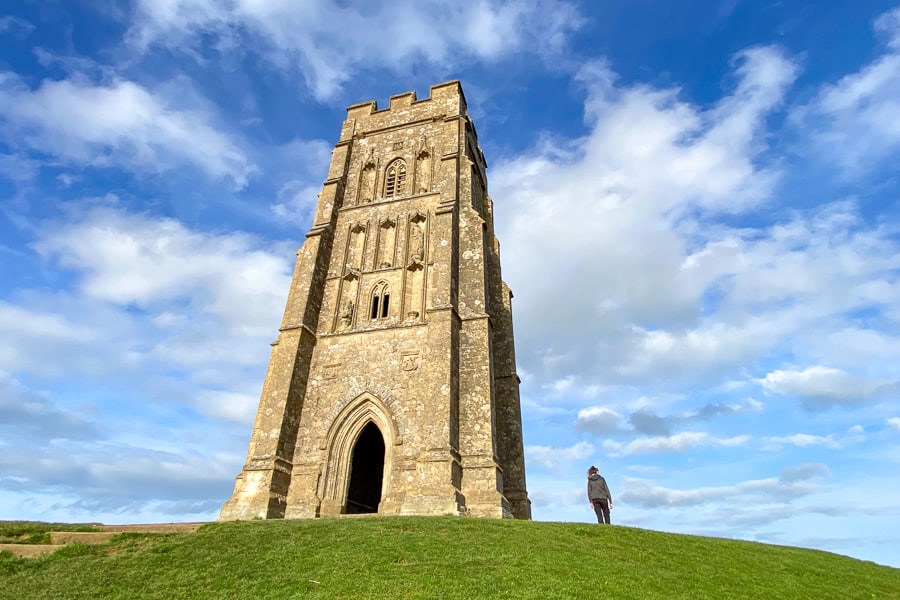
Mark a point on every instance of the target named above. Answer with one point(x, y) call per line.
point(437, 557)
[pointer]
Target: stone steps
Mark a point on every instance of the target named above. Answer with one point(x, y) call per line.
point(58, 539)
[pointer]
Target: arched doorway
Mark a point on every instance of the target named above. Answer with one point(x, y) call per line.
point(366, 471)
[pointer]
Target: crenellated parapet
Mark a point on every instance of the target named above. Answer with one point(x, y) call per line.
point(446, 100)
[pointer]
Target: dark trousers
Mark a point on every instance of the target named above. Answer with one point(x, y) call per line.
point(601, 507)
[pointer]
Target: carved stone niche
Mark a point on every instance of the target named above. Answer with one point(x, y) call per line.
point(366, 192)
point(414, 300)
point(346, 313)
point(387, 239)
point(416, 239)
point(424, 165)
point(347, 306)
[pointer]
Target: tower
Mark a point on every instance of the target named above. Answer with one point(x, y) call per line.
point(392, 386)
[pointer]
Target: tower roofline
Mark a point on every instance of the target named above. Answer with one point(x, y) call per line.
point(438, 91)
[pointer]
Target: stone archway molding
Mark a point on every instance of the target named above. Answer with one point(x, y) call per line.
point(342, 437)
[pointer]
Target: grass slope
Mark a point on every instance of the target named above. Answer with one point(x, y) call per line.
point(438, 557)
point(36, 532)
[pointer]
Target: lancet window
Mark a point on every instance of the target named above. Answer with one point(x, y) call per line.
point(395, 179)
point(381, 301)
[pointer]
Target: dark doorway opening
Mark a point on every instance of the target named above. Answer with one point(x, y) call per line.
point(366, 472)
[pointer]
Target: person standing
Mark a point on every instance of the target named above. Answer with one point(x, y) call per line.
point(598, 495)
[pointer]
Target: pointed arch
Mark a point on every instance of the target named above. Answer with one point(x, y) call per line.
point(395, 178)
point(365, 489)
point(380, 301)
point(363, 411)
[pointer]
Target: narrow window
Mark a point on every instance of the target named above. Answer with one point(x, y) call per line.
point(395, 179)
point(381, 301)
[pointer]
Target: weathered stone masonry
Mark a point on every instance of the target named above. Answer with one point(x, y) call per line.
point(392, 386)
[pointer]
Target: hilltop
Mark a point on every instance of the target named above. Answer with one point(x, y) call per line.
point(437, 557)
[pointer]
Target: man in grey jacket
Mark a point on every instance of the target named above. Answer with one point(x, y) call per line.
point(598, 495)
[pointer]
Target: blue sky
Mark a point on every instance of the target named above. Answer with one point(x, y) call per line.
point(696, 201)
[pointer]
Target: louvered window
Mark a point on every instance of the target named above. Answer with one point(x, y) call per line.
point(395, 179)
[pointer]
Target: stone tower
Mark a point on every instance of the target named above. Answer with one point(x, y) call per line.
point(392, 386)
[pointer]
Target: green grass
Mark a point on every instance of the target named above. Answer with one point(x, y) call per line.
point(438, 557)
point(35, 532)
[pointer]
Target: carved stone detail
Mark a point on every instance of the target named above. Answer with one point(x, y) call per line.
point(416, 239)
point(424, 165)
point(409, 361)
point(366, 192)
point(387, 238)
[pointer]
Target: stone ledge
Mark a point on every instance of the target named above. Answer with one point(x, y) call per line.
point(29, 550)
point(61, 538)
point(154, 527)
point(80, 537)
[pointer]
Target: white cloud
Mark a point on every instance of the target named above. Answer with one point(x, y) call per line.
point(116, 124)
point(150, 299)
point(598, 420)
point(162, 339)
point(857, 119)
point(664, 154)
point(894, 423)
point(858, 347)
point(116, 477)
point(326, 40)
point(19, 321)
point(38, 335)
point(825, 386)
point(792, 483)
point(800, 440)
point(679, 442)
point(647, 285)
point(28, 416)
point(297, 197)
point(889, 25)
point(130, 259)
point(624, 264)
point(15, 26)
point(549, 497)
point(552, 458)
point(240, 408)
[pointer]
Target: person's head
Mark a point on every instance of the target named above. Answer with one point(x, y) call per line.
point(593, 470)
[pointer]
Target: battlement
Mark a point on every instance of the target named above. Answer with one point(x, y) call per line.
point(449, 90)
point(444, 100)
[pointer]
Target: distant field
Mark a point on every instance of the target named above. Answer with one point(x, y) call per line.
point(435, 557)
